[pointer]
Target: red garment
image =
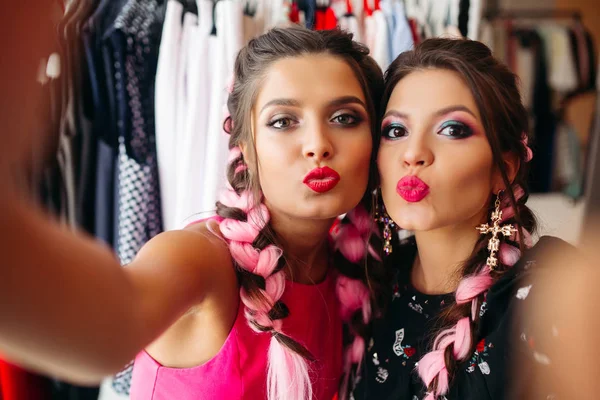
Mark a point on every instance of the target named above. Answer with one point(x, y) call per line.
point(325, 19)
point(414, 29)
point(294, 17)
point(349, 10)
point(19, 384)
point(367, 8)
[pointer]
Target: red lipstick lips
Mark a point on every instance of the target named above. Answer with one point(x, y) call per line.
point(322, 179)
point(412, 189)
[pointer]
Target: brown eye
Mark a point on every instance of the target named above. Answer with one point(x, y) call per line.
point(455, 130)
point(394, 131)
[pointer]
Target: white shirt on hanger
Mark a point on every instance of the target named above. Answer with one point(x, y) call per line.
point(377, 38)
point(350, 24)
point(475, 14)
point(229, 40)
point(191, 148)
point(190, 23)
point(166, 93)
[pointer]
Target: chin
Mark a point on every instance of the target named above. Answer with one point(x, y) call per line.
point(415, 222)
point(329, 208)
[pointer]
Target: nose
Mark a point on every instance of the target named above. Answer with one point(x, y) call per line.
point(317, 144)
point(417, 152)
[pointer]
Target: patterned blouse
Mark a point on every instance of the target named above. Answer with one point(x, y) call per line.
point(406, 332)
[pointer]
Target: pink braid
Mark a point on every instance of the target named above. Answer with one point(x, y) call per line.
point(351, 239)
point(432, 365)
point(287, 371)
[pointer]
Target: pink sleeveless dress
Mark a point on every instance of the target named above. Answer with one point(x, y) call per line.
point(239, 370)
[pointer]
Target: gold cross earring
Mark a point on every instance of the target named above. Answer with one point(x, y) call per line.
point(495, 229)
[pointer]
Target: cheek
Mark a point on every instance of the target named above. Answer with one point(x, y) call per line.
point(386, 166)
point(363, 150)
point(270, 155)
point(471, 168)
point(468, 182)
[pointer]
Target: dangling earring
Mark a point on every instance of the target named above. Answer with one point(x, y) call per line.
point(389, 226)
point(495, 229)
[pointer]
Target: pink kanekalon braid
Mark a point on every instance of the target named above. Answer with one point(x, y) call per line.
point(287, 374)
point(351, 240)
point(470, 289)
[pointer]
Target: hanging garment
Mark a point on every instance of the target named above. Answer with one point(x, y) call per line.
point(349, 23)
point(139, 206)
point(230, 39)
point(308, 7)
point(438, 17)
point(475, 14)
point(325, 19)
point(100, 69)
point(525, 70)
point(562, 71)
point(376, 38)
point(191, 147)
point(135, 42)
point(294, 14)
point(390, 18)
point(190, 22)
point(165, 111)
point(567, 169)
point(402, 38)
point(544, 127)
point(463, 17)
point(280, 13)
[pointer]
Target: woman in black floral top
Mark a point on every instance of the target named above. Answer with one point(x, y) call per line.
point(453, 165)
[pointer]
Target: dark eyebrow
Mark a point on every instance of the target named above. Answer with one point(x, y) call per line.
point(438, 113)
point(340, 101)
point(280, 102)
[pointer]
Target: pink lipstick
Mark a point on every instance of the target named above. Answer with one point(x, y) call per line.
point(412, 189)
point(322, 179)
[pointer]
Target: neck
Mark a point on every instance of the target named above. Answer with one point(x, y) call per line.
point(440, 257)
point(305, 246)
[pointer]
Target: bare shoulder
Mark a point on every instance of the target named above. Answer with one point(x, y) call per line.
point(183, 268)
point(201, 259)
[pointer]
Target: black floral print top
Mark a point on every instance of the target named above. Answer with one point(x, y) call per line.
point(405, 333)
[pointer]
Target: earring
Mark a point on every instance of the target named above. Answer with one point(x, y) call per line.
point(495, 229)
point(389, 226)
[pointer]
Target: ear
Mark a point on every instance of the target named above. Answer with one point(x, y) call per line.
point(511, 163)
